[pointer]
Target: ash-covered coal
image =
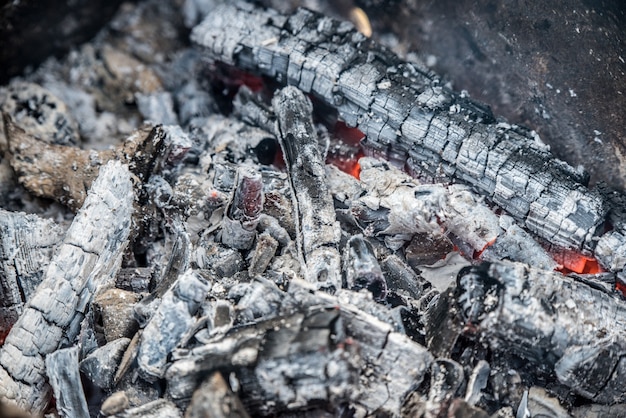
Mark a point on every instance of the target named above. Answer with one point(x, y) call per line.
point(160, 257)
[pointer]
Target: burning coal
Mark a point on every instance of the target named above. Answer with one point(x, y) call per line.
point(307, 225)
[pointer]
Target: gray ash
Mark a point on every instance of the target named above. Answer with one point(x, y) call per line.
point(225, 243)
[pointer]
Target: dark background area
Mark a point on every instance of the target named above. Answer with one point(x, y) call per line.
point(555, 66)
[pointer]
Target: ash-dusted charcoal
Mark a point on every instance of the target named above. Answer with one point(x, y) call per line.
point(477, 382)
point(611, 249)
point(391, 364)
point(157, 107)
point(599, 411)
point(159, 408)
point(215, 399)
point(176, 263)
point(101, 365)
point(304, 351)
point(533, 314)
point(264, 252)
point(242, 213)
point(223, 261)
point(173, 318)
point(446, 380)
point(396, 207)
point(318, 232)
point(64, 377)
point(135, 279)
point(407, 112)
point(39, 112)
point(89, 256)
point(27, 243)
point(361, 268)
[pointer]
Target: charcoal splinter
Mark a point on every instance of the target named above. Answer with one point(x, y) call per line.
point(319, 232)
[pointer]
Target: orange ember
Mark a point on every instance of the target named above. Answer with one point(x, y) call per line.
point(348, 165)
point(3, 336)
point(621, 287)
point(477, 254)
point(351, 136)
point(572, 261)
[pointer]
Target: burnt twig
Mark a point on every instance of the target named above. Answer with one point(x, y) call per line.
point(318, 231)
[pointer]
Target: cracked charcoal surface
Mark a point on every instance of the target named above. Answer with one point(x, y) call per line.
point(402, 107)
point(261, 287)
point(91, 251)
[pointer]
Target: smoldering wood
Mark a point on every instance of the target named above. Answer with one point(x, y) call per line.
point(396, 207)
point(318, 231)
point(406, 111)
point(172, 319)
point(505, 302)
point(65, 173)
point(27, 243)
point(64, 378)
point(611, 249)
point(361, 268)
point(89, 257)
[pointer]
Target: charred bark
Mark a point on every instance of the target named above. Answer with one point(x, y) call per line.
point(404, 111)
point(89, 256)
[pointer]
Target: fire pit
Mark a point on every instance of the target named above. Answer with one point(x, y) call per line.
point(297, 222)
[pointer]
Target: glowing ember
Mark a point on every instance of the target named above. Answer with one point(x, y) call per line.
point(348, 165)
point(621, 287)
point(572, 261)
point(477, 254)
point(351, 136)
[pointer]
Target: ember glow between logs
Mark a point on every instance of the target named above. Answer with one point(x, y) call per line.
point(261, 245)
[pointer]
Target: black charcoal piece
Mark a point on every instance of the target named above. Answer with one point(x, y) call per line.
point(318, 231)
point(101, 365)
point(362, 270)
point(533, 314)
